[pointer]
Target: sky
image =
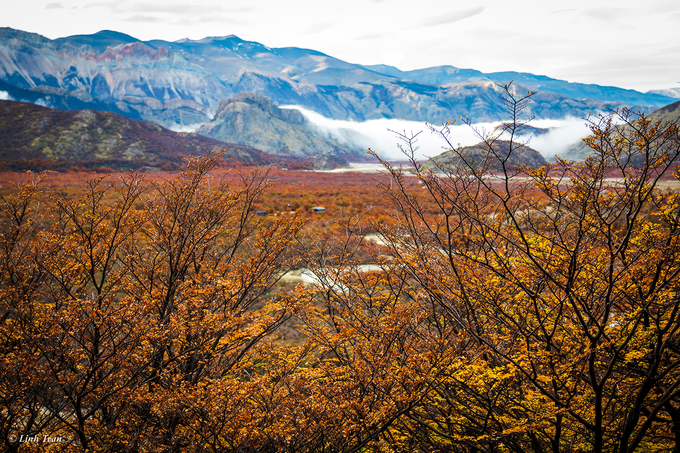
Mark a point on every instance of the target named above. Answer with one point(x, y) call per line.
point(629, 44)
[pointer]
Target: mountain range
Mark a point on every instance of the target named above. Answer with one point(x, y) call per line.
point(229, 89)
point(181, 83)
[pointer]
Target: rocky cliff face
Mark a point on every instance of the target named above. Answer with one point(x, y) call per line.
point(145, 78)
point(252, 119)
point(125, 68)
point(137, 79)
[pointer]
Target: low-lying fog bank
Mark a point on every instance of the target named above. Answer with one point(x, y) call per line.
point(378, 135)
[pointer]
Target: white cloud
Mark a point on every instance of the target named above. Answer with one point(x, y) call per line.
point(185, 127)
point(4, 96)
point(561, 134)
point(378, 135)
point(381, 135)
point(114, 6)
point(143, 18)
point(452, 17)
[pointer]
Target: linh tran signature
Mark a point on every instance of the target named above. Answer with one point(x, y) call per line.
point(36, 439)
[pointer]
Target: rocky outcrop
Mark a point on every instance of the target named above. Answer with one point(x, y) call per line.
point(254, 120)
point(521, 156)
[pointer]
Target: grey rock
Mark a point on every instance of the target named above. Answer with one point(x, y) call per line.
point(521, 156)
point(254, 120)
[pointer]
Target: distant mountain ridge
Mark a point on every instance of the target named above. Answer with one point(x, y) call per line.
point(449, 74)
point(670, 92)
point(182, 83)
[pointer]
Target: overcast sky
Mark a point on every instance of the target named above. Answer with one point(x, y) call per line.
point(630, 44)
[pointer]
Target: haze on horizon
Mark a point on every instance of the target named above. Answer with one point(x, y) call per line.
point(624, 43)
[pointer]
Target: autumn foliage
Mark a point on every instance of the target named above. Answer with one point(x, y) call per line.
point(494, 311)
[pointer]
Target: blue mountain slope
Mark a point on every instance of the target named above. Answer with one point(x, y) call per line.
point(98, 41)
point(168, 82)
point(440, 75)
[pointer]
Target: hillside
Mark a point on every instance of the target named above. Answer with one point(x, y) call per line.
point(477, 154)
point(62, 99)
point(579, 150)
point(670, 112)
point(253, 119)
point(35, 137)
